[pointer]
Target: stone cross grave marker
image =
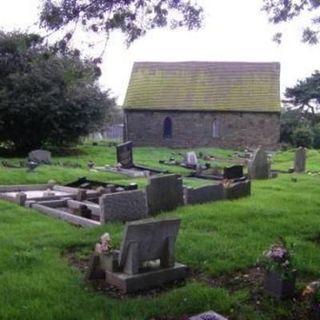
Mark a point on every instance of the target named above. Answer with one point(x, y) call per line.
point(300, 160)
point(124, 155)
point(259, 166)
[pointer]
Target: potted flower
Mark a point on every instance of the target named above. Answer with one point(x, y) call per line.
point(311, 293)
point(280, 275)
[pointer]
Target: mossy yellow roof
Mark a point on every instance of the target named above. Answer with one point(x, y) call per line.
point(221, 86)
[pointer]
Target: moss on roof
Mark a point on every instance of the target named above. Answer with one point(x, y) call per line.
point(221, 86)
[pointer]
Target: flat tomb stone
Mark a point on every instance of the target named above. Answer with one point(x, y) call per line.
point(142, 281)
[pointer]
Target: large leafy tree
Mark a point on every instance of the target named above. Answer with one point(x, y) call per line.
point(286, 10)
point(305, 95)
point(132, 17)
point(45, 96)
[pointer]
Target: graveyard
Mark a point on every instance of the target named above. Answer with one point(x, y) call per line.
point(45, 260)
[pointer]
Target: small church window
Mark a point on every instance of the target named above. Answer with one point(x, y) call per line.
point(167, 128)
point(215, 128)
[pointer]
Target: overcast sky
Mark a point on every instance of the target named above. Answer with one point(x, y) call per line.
point(234, 30)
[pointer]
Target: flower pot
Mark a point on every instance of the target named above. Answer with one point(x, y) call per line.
point(109, 261)
point(278, 286)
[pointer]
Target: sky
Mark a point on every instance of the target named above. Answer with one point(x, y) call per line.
point(233, 30)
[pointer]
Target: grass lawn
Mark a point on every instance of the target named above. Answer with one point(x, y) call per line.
point(216, 240)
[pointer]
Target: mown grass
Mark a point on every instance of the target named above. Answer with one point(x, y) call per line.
point(215, 239)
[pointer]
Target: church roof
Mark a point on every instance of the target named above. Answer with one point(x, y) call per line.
point(221, 86)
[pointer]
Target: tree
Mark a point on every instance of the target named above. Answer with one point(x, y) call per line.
point(286, 10)
point(305, 95)
point(46, 97)
point(132, 17)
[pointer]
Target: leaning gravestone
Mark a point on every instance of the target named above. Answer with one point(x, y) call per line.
point(123, 206)
point(259, 167)
point(164, 193)
point(210, 315)
point(124, 155)
point(40, 156)
point(150, 242)
point(300, 160)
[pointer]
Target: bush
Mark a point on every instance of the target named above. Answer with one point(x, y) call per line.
point(47, 97)
point(302, 137)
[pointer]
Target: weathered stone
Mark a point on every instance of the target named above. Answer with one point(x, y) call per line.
point(259, 166)
point(123, 206)
point(145, 241)
point(164, 193)
point(210, 315)
point(190, 159)
point(203, 194)
point(193, 129)
point(40, 156)
point(233, 172)
point(237, 190)
point(124, 155)
point(300, 160)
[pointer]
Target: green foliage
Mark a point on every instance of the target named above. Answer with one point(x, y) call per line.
point(132, 17)
point(45, 96)
point(302, 137)
point(286, 10)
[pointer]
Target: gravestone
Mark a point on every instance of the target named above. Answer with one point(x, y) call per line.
point(233, 172)
point(164, 193)
point(210, 315)
point(147, 256)
point(259, 166)
point(300, 160)
point(123, 206)
point(203, 194)
point(124, 155)
point(40, 156)
point(190, 160)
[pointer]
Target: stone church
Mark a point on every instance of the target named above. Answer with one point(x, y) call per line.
point(196, 104)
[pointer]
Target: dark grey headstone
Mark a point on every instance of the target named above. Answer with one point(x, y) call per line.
point(40, 156)
point(259, 166)
point(124, 155)
point(233, 172)
point(203, 194)
point(210, 315)
point(300, 160)
point(164, 193)
point(123, 206)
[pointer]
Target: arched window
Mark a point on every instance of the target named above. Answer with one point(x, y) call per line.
point(215, 128)
point(167, 128)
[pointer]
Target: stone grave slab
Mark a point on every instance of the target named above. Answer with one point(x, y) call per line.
point(40, 156)
point(123, 206)
point(203, 194)
point(300, 160)
point(164, 193)
point(125, 155)
point(238, 189)
point(147, 256)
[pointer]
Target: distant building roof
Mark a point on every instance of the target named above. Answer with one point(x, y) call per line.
point(221, 86)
